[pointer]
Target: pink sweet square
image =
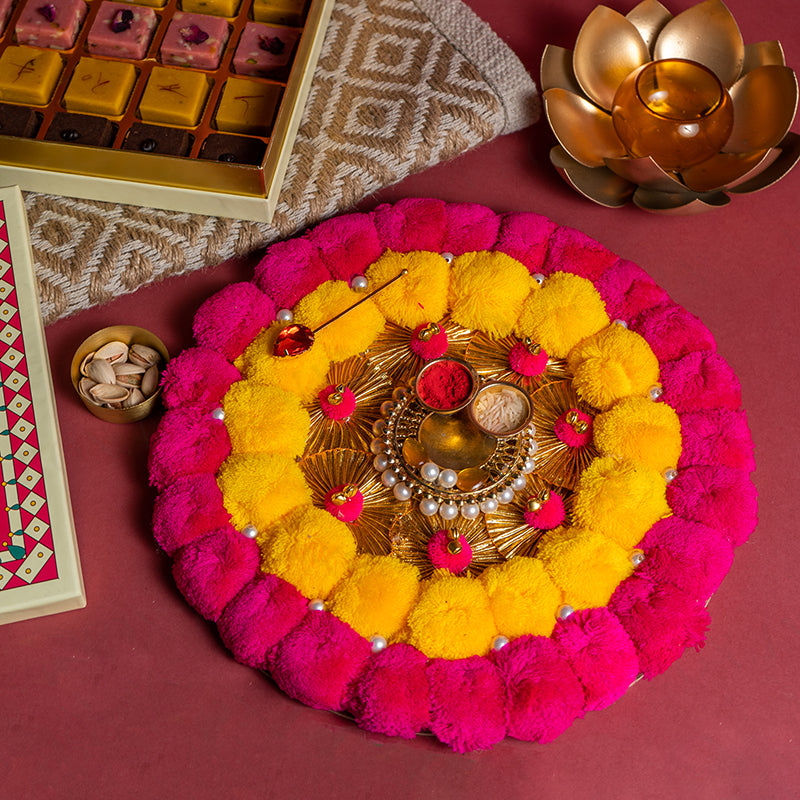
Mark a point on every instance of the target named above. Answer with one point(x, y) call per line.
point(5, 12)
point(53, 23)
point(121, 31)
point(264, 50)
point(194, 40)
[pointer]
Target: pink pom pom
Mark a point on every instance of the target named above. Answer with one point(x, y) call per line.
point(335, 404)
point(290, 270)
point(186, 442)
point(524, 362)
point(601, 654)
point(544, 693)
point(229, 320)
point(198, 377)
point(672, 332)
point(469, 228)
point(467, 703)
point(391, 695)
point(441, 555)
point(347, 245)
point(524, 236)
point(700, 380)
point(411, 224)
point(627, 290)
point(210, 571)
point(549, 516)
point(716, 436)
point(691, 556)
point(187, 509)
point(316, 661)
point(434, 347)
point(347, 511)
point(720, 497)
point(263, 612)
point(572, 251)
point(566, 431)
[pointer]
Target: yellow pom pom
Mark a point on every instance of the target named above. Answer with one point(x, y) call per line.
point(523, 598)
point(587, 566)
point(310, 549)
point(619, 499)
point(640, 430)
point(377, 596)
point(304, 375)
point(420, 296)
point(487, 291)
point(265, 419)
point(259, 488)
point(452, 618)
point(564, 311)
point(348, 336)
point(612, 364)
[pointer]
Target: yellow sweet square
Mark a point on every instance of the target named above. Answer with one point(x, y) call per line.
point(100, 87)
point(29, 75)
point(247, 107)
point(280, 12)
point(218, 8)
point(174, 97)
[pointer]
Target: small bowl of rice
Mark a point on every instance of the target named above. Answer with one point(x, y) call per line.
point(501, 409)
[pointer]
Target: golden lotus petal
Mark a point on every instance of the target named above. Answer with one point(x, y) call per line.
point(598, 184)
point(706, 33)
point(764, 105)
point(556, 71)
point(649, 18)
point(721, 170)
point(762, 54)
point(678, 203)
point(583, 130)
point(644, 172)
point(607, 50)
point(789, 156)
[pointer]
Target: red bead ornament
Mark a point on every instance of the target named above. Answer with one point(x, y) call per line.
point(293, 340)
point(345, 502)
point(449, 550)
point(545, 511)
point(337, 402)
point(429, 341)
point(527, 358)
point(574, 428)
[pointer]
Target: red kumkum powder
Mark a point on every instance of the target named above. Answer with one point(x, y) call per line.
point(444, 385)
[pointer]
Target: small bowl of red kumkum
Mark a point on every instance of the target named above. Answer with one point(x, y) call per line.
point(501, 409)
point(446, 385)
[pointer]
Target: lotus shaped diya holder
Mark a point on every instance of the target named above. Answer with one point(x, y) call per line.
point(676, 113)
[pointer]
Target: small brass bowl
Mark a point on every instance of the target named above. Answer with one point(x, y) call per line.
point(496, 387)
point(129, 334)
point(453, 365)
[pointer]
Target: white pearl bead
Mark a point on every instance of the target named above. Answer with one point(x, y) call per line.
point(387, 408)
point(429, 471)
point(378, 643)
point(380, 462)
point(637, 557)
point(448, 478)
point(506, 496)
point(519, 483)
point(218, 413)
point(448, 510)
point(470, 510)
point(655, 392)
point(621, 323)
point(399, 394)
point(448, 257)
point(379, 427)
point(529, 466)
point(428, 507)
point(389, 478)
point(565, 611)
point(376, 447)
point(499, 642)
point(489, 505)
point(401, 492)
point(359, 283)
point(538, 277)
point(316, 605)
point(284, 315)
point(670, 475)
point(250, 531)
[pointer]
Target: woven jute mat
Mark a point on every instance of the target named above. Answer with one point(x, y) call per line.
point(400, 85)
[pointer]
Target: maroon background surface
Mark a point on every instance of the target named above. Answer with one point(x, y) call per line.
point(134, 696)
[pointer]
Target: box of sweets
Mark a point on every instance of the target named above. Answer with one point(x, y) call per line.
point(39, 566)
point(189, 105)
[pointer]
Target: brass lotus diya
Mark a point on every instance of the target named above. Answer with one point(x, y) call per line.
point(675, 113)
